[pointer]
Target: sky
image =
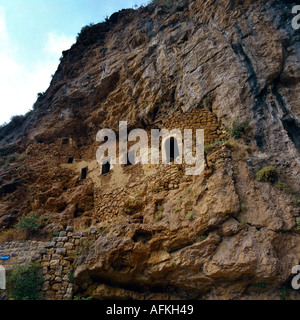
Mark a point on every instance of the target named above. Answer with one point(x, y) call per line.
point(33, 34)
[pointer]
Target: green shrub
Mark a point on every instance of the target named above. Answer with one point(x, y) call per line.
point(207, 102)
point(238, 128)
point(267, 174)
point(174, 5)
point(284, 187)
point(202, 238)
point(160, 212)
point(288, 190)
point(159, 216)
point(209, 147)
point(284, 294)
point(24, 283)
point(191, 215)
point(14, 157)
point(30, 223)
point(76, 298)
point(298, 223)
point(55, 235)
point(104, 230)
point(163, 3)
point(296, 201)
point(17, 120)
point(22, 157)
point(84, 30)
point(71, 276)
point(260, 286)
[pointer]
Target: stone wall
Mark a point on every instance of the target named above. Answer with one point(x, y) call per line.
point(56, 258)
point(124, 182)
point(197, 119)
point(20, 252)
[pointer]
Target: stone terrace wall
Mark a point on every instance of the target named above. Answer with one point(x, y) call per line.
point(56, 258)
point(20, 252)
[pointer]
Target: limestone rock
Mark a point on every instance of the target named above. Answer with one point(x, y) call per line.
point(195, 65)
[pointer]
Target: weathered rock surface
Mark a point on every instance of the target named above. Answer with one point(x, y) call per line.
point(162, 234)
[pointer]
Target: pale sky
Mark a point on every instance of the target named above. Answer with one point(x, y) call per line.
point(33, 34)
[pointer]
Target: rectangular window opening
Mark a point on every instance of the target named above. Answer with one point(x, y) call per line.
point(65, 141)
point(130, 155)
point(105, 169)
point(84, 172)
point(70, 160)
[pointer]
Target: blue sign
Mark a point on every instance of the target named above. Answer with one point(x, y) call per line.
point(4, 257)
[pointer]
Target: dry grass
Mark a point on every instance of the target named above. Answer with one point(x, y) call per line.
point(12, 235)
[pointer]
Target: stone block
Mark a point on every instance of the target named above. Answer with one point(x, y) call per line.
point(65, 263)
point(61, 251)
point(68, 245)
point(56, 287)
point(59, 244)
point(50, 244)
point(77, 235)
point(70, 290)
point(62, 234)
point(36, 257)
point(54, 263)
point(69, 229)
point(62, 239)
point(56, 257)
point(21, 260)
point(65, 277)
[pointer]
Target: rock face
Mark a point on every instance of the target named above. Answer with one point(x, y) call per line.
point(164, 235)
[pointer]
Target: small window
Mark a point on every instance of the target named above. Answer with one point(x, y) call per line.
point(131, 154)
point(70, 160)
point(105, 169)
point(84, 172)
point(65, 141)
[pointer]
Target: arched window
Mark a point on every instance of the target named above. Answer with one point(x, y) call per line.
point(173, 152)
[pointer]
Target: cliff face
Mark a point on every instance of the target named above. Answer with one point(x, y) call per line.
point(202, 64)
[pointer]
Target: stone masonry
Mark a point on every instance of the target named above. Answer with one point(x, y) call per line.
point(55, 257)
